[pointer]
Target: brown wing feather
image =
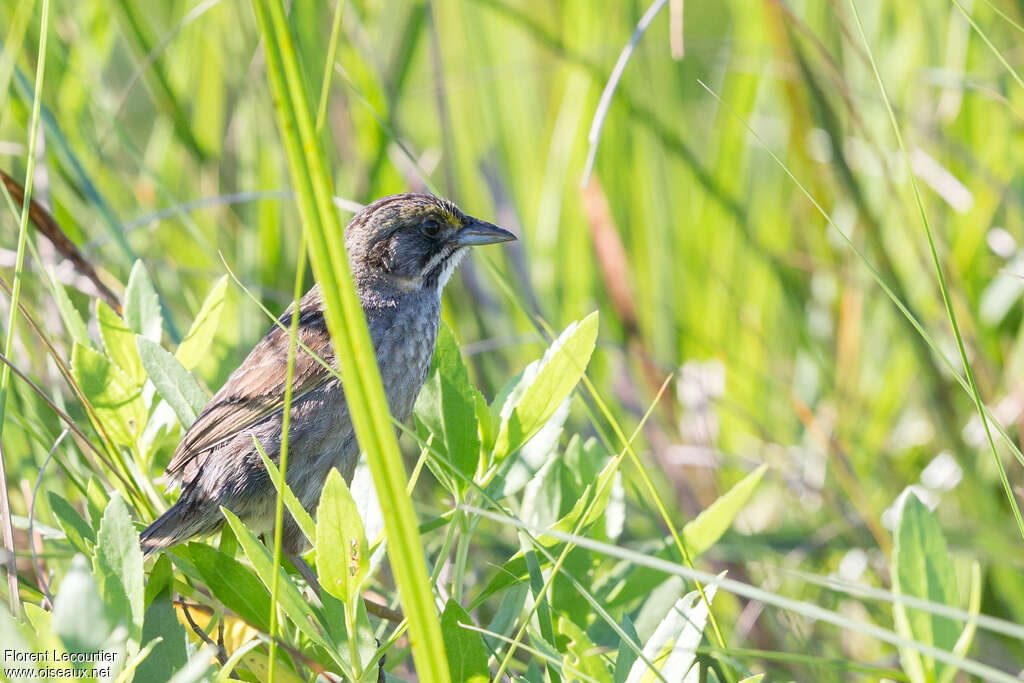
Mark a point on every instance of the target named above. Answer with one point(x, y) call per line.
point(256, 389)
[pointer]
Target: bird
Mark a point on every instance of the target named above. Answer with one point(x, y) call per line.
point(402, 250)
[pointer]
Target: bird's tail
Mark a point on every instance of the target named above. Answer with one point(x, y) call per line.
point(178, 524)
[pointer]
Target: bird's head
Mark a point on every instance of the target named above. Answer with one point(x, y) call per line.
point(414, 241)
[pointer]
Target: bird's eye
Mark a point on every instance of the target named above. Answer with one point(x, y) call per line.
point(431, 228)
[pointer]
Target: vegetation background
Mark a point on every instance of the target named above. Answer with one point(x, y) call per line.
point(807, 267)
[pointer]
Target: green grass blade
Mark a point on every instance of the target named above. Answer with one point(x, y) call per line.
point(991, 46)
point(332, 50)
point(5, 373)
point(807, 609)
point(344, 315)
point(282, 484)
point(946, 300)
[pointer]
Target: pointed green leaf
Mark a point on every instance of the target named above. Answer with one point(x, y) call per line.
point(119, 341)
point(544, 385)
point(116, 399)
point(233, 583)
point(161, 621)
point(299, 514)
point(923, 569)
point(342, 556)
point(172, 381)
point(704, 531)
point(447, 407)
point(627, 655)
point(77, 530)
point(118, 565)
point(289, 598)
point(673, 645)
point(699, 535)
point(141, 304)
point(200, 335)
point(69, 314)
point(467, 656)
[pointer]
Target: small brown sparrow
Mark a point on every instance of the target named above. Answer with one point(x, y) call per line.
point(402, 250)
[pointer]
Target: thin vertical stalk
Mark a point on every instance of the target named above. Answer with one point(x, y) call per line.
point(332, 51)
point(5, 373)
point(283, 462)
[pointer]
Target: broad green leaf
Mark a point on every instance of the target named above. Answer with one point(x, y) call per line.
point(447, 408)
point(119, 341)
point(627, 655)
point(544, 385)
point(673, 645)
point(922, 568)
point(172, 381)
point(234, 584)
point(289, 598)
point(342, 556)
point(161, 621)
point(200, 335)
point(704, 531)
point(116, 399)
point(69, 314)
point(581, 653)
point(78, 531)
point(160, 579)
point(291, 502)
point(467, 656)
point(141, 304)
point(118, 565)
point(80, 618)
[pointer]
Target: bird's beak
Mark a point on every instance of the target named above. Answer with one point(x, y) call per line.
point(479, 232)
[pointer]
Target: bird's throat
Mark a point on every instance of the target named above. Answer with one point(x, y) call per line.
point(439, 269)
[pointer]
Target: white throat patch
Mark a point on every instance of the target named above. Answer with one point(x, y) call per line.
point(449, 267)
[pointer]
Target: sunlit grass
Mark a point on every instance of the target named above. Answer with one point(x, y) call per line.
point(762, 245)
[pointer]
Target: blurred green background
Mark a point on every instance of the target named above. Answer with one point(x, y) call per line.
point(705, 259)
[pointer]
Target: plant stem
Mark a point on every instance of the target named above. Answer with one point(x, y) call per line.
point(300, 269)
point(5, 373)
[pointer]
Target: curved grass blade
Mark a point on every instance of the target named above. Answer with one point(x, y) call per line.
point(943, 288)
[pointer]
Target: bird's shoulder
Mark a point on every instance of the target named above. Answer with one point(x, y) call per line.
point(255, 390)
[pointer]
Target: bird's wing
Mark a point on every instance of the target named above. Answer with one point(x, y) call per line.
point(256, 389)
